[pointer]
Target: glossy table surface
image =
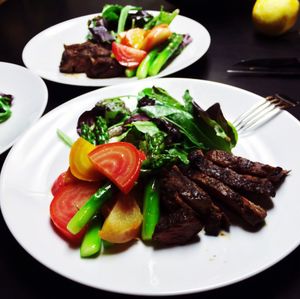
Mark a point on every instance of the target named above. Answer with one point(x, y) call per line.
point(233, 38)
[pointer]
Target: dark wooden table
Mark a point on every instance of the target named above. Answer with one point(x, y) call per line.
point(233, 38)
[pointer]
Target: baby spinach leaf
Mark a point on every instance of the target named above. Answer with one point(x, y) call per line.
point(111, 12)
point(146, 127)
point(161, 97)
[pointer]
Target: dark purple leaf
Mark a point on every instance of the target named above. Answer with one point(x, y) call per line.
point(89, 117)
point(101, 35)
point(136, 117)
point(145, 101)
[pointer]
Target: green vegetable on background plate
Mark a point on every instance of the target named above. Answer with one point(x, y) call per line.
point(5, 107)
point(173, 44)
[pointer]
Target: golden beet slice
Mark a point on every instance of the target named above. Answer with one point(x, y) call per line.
point(124, 221)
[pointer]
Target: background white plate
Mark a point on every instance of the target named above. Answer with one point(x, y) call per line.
point(30, 100)
point(42, 54)
point(29, 172)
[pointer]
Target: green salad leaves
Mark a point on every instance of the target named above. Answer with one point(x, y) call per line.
point(165, 129)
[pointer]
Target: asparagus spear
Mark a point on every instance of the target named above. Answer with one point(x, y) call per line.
point(150, 210)
point(89, 209)
point(65, 138)
point(130, 72)
point(91, 243)
point(161, 59)
point(143, 68)
point(123, 16)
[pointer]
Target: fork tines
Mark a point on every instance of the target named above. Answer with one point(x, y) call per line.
point(262, 112)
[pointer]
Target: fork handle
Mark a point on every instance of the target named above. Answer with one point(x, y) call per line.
point(288, 100)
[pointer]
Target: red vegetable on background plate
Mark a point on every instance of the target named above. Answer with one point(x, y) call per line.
point(128, 56)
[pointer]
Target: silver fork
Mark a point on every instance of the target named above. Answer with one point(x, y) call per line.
point(262, 112)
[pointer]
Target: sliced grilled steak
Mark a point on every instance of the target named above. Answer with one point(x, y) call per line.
point(91, 58)
point(215, 221)
point(173, 181)
point(104, 67)
point(245, 166)
point(75, 57)
point(250, 212)
point(178, 191)
point(177, 228)
point(230, 177)
point(172, 202)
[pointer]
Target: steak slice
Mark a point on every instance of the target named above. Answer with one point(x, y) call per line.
point(245, 166)
point(104, 67)
point(250, 212)
point(94, 59)
point(230, 177)
point(177, 228)
point(75, 57)
point(72, 61)
point(215, 221)
point(178, 191)
point(173, 181)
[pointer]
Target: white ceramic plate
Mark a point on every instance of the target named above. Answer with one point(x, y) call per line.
point(213, 262)
point(42, 54)
point(30, 100)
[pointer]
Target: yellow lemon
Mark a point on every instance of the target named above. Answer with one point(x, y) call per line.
point(275, 17)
